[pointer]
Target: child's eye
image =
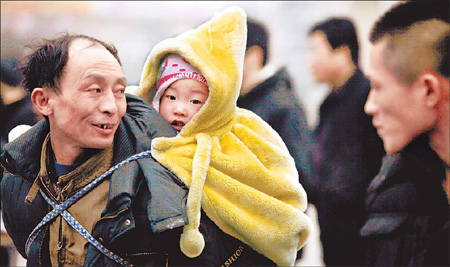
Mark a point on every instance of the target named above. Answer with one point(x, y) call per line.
point(196, 102)
point(170, 97)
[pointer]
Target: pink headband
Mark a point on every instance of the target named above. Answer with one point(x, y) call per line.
point(172, 69)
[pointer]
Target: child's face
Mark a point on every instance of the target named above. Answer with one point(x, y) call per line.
point(182, 100)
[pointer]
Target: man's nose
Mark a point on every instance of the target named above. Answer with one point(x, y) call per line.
point(108, 103)
point(370, 107)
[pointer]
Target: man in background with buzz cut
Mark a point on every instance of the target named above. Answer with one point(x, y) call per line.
point(407, 203)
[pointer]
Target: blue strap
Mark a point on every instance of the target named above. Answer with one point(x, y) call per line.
point(80, 229)
point(61, 209)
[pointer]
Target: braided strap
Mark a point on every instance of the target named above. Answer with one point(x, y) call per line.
point(83, 232)
point(61, 209)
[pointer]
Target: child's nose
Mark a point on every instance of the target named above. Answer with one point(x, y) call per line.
point(180, 110)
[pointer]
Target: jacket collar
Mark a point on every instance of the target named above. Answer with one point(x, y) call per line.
point(421, 154)
point(22, 156)
point(346, 91)
point(348, 87)
point(415, 156)
point(269, 84)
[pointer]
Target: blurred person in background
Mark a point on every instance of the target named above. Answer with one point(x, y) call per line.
point(268, 91)
point(350, 150)
point(408, 201)
point(17, 114)
point(16, 106)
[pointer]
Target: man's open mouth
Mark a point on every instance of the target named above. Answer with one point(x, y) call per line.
point(104, 126)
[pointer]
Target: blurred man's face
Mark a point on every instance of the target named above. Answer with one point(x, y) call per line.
point(398, 110)
point(321, 57)
point(87, 112)
point(253, 63)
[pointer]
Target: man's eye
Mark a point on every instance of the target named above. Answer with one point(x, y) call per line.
point(95, 90)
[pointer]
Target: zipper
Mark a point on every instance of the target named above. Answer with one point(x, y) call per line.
point(40, 247)
point(61, 241)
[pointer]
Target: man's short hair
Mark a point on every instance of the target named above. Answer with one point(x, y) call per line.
point(417, 35)
point(340, 32)
point(44, 65)
point(257, 34)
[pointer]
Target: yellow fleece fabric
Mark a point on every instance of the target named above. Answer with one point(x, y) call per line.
point(236, 166)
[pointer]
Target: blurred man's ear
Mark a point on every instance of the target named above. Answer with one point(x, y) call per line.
point(343, 54)
point(253, 63)
point(434, 88)
point(254, 57)
point(40, 99)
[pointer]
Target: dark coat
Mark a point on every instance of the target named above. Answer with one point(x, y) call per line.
point(275, 101)
point(14, 114)
point(408, 211)
point(143, 218)
point(349, 158)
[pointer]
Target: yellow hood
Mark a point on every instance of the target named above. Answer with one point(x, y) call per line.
point(216, 52)
point(236, 166)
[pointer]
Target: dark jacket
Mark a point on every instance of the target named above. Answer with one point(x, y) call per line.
point(14, 114)
point(146, 205)
point(408, 211)
point(275, 101)
point(350, 157)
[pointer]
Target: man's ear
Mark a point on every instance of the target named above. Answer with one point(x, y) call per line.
point(254, 57)
point(431, 88)
point(40, 99)
point(343, 53)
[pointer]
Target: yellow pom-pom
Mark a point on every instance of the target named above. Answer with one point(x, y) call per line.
point(192, 243)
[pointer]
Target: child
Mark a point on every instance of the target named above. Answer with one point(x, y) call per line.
point(236, 166)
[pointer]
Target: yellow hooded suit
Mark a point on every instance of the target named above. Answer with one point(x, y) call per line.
point(236, 166)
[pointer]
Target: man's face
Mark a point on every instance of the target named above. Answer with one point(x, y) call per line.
point(321, 57)
point(182, 100)
point(398, 110)
point(87, 112)
point(253, 63)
